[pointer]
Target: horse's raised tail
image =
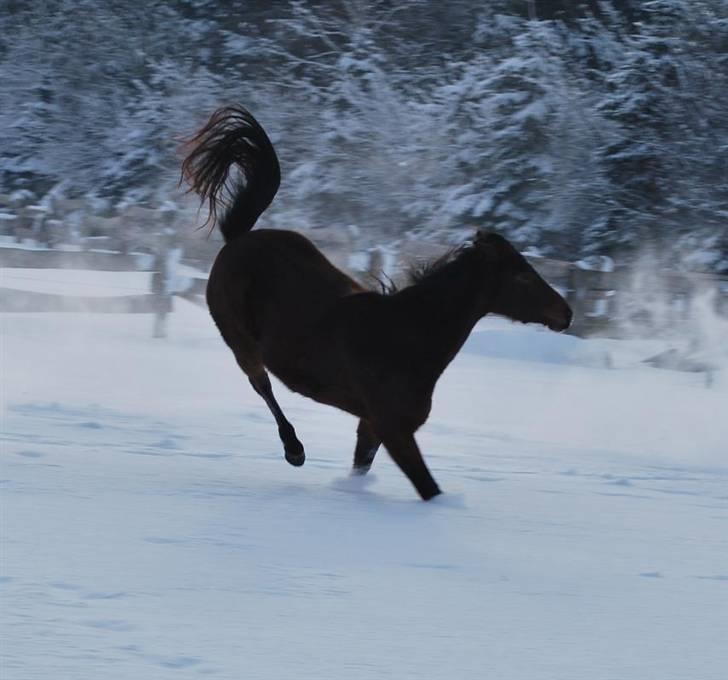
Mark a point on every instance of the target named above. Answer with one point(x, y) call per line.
point(232, 137)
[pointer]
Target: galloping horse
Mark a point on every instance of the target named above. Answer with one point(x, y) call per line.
point(280, 305)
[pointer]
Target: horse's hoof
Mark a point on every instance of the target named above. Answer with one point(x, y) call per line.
point(296, 458)
point(430, 493)
point(359, 470)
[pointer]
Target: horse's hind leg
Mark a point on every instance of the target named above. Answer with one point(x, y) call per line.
point(291, 445)
point(367, 444)
point(230, 318)
point(250, 363)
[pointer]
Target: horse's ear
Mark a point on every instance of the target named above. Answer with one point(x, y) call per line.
point(486, 236)
point(488, 241)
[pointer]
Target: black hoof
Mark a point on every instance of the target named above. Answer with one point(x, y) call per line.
point(359, 470)
point(429, 494)
point(296, 460)
point(296, 456)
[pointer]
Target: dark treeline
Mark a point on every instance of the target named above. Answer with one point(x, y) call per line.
point(574, 128)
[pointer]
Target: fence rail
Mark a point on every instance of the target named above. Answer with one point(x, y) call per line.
point(597, 297)
point(13, 300)
point(158, 301)
point(93, 260)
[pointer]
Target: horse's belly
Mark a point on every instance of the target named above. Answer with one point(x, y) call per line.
point(317, 385)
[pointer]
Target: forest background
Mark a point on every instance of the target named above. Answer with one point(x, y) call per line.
point(574, 128)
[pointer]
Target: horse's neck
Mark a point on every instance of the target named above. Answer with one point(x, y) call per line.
point(444, 308)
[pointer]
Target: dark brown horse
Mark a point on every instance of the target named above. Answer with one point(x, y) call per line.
point(281, 305)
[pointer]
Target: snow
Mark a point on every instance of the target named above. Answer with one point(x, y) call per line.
point(151, 528)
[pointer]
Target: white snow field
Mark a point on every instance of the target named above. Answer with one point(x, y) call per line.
point(151, 528)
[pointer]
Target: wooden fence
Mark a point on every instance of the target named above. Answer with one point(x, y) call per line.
point(157, 301)
point(603, 301)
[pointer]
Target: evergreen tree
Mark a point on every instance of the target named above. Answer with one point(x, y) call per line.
point(573, 127)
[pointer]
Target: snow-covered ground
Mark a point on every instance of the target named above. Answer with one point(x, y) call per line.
point(151, 528)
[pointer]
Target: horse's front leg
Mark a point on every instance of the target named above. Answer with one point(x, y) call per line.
point(367, 444)
point(405, 452)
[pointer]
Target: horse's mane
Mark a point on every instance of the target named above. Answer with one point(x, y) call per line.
point(419, 272)
point(423, 271)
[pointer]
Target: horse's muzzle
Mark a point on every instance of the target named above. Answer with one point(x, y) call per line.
point(560, 320)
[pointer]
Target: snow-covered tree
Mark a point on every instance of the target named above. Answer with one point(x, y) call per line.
point(574, 127)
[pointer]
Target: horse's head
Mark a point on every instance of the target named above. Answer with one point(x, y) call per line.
point(519, 292)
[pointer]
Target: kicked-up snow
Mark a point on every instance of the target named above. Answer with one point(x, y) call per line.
point(151, 528)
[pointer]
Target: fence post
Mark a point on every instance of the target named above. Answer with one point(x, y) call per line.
point(162, 305)
point(575, 298)
point(375, 266)
point(161, 283)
